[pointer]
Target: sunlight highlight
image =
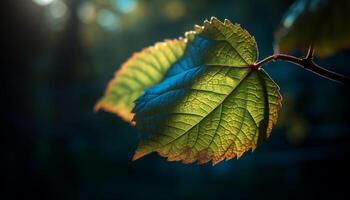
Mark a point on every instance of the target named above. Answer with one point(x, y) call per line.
point(43, 2)
point(125, 6)
point(58, 10)
point(108, 20)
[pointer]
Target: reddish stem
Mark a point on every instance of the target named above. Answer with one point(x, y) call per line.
point(306, 63)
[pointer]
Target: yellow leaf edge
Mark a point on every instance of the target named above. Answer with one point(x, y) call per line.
point(118, 109)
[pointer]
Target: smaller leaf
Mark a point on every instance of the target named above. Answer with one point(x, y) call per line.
point(144, 69)
point(325, 24)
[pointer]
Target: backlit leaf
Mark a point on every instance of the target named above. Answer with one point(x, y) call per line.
point(212, 104)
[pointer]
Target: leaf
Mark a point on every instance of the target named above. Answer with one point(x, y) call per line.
point(142, 70)
point(212, 104)
point(323, 23)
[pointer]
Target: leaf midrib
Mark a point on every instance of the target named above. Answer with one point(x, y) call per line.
point(228, 94)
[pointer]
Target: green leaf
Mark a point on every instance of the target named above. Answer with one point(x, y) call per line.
point(144, 69)
point(234, 46)
point(212, 104)
point(325, 24)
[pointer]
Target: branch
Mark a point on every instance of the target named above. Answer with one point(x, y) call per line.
point(307, 63)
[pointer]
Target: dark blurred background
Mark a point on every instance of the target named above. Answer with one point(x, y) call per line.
point(60, 54)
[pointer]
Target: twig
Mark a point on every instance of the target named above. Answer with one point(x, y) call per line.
point(307, 63)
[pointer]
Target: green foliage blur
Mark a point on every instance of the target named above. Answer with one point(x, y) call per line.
point(60, 54)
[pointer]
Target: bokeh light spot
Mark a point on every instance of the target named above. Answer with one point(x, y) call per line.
point(108, 20)
point(43, 2)
point(58, 10)
point(174, 9)
point(87, 12)
point(125, 6)
point(56, 15)
point(296, 10)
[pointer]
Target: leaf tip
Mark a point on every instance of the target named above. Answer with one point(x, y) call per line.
point(137, 155)
point(97, 107)
point(118, 110)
